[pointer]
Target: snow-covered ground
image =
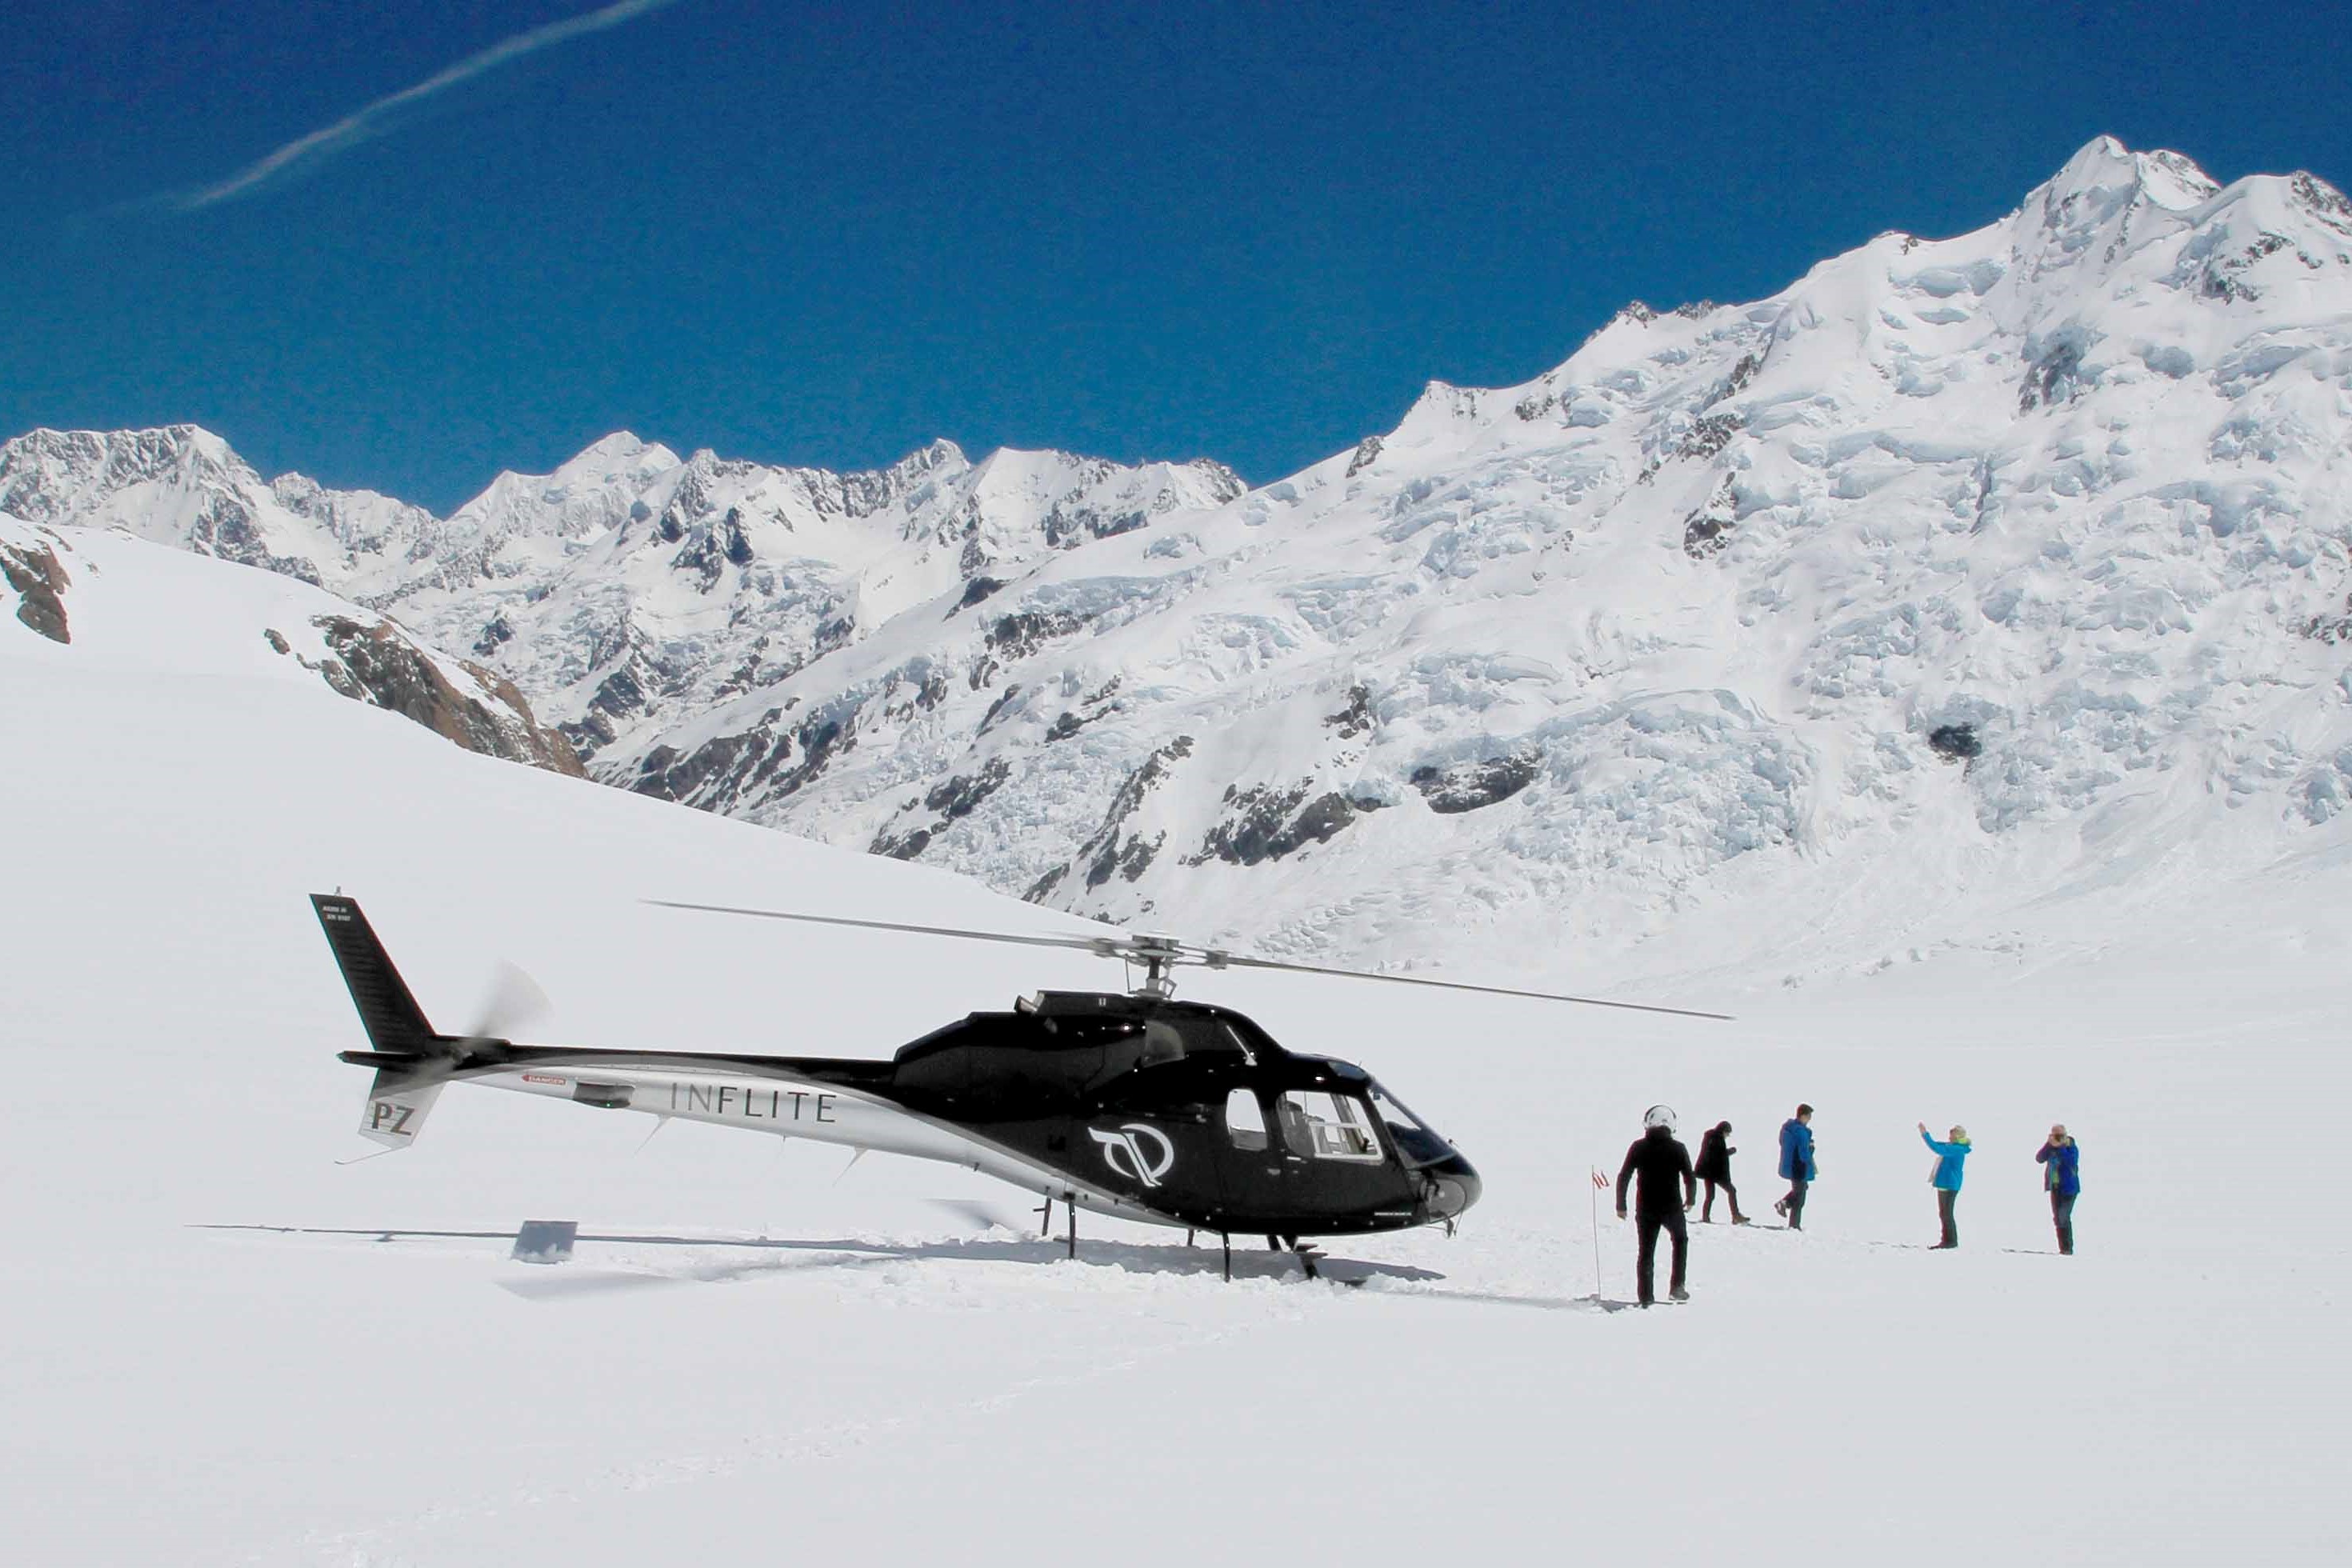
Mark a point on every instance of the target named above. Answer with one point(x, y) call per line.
point(920, 1388)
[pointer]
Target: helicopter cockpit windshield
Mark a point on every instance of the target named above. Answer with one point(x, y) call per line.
point(1414, 1141)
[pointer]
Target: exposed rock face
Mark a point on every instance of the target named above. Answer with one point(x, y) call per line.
point(371, 661)
point(1468, 786)
point(39, 579)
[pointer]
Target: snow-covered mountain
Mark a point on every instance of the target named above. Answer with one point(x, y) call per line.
point(629, 589)
point(1974, 568)
point(1985, 563)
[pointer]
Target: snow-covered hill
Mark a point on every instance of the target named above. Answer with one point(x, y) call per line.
point(97, 600)
point(1977, 568)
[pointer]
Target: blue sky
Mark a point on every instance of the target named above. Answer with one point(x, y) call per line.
point(826, 233)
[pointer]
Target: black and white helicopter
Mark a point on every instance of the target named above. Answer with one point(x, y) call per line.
point(1136, 1105)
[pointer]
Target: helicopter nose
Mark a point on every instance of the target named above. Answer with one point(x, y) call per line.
point(1453, 1188)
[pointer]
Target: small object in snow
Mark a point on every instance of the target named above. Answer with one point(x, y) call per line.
point(546, 1240)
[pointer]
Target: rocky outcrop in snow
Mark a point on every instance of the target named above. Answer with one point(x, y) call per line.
point(125, 595)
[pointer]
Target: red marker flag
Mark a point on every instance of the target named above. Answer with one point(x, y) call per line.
point(1599, 1181)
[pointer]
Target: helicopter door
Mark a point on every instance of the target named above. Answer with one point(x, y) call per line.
point(1251, 1163)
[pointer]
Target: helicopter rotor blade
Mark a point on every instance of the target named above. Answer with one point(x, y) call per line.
point(1103, 946)
point(1216, 960)
point(1165, 950)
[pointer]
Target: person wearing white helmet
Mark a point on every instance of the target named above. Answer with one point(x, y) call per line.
point(1667, 1188)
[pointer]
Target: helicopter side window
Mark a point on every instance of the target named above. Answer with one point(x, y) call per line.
point(1246, 1119)
point(1319, 1125)
point(1161, 1042)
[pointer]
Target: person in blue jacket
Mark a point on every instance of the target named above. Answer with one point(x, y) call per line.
point(1951, 1158)
point(1797, 1166)
point(2063, 1175)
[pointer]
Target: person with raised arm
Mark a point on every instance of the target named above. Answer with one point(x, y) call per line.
point(1951, 1162)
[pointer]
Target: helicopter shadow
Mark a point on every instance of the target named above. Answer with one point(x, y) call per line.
point(792, 1254)
point(804, 1256)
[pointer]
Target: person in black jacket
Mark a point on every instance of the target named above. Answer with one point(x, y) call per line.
point(1667, 1188)
point(1713, 1168)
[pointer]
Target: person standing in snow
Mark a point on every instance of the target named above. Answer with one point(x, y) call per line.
point(1667, 1188)
point(1713, 1168)
point(1951, 1158)
point(1797, 1167)
point(2062, 1172)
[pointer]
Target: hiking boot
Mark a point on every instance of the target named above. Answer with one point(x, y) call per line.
point(1781, 1208)
point(1677, 1294)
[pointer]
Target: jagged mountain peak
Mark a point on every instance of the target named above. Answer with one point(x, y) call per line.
point(2105, 174)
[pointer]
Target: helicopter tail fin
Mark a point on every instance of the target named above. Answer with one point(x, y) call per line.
point(394, 1023)
point(404, 1047)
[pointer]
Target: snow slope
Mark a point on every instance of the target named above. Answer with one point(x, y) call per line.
point(908, 1387)
point(113, 601)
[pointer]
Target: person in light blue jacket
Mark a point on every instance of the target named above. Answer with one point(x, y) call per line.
point(1951, 1162)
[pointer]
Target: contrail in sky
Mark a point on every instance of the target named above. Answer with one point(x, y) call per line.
point(369, 122)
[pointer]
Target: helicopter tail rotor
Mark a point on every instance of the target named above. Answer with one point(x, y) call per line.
point(412, 1060)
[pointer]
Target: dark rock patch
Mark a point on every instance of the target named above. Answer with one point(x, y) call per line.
point(2223, 279)
point(1468, 786)
point(374, 664)
point(1705, 531)
point(2330, 630)
point(724, 771)
point(40, 582)
point(956, 799)
point(1368, 452)
point(1356, 718)
point(1737, 382)
point(1709, 434)
point(996, 709)
point(1956, 743)
point(1023, 632)
point(1270, 823)
point(497, 632)
point(1104, 854)
point(976, 590)
point(2054, 378)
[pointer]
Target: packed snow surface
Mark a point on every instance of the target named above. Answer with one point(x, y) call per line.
point(904, 1384)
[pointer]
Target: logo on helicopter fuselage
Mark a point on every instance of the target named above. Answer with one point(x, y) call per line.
point(1123, 1151)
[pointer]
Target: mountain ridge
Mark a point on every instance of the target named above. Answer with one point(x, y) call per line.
point(1992, 553)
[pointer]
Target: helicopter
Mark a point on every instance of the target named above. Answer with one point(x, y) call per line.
point(1133, 1105)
